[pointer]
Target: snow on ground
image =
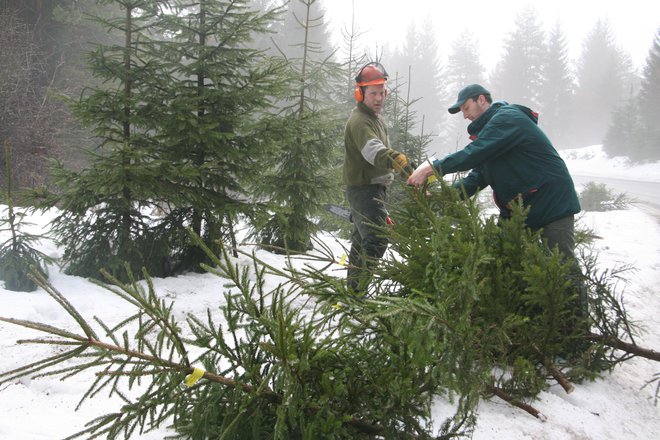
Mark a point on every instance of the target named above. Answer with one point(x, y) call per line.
point(592, 162)
point(616, 407)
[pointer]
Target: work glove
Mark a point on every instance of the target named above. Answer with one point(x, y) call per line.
point(399, 161)
point(402, 165)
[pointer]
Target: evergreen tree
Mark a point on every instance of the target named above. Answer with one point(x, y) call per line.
point(518, 77)
point(264, 40)
point(297, 30)
point(463, 68)
point(417, 65)
point(299, 181)
point(604, 78)
point(353, 57)
point(18, 258)
point(103, 222)
point(405, 134)
point(216, 129)
point(625, 134)
point(182, 123)
point(556, 95)
point(649, 105)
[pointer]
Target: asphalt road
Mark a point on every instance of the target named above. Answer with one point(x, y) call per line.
point(645, 195)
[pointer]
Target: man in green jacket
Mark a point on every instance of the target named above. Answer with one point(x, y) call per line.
point(513, 156)
point(369, 166)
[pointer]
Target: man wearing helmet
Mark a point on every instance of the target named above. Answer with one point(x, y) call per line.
point(369, 166)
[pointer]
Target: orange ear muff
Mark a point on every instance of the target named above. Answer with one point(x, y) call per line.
point(357, 93)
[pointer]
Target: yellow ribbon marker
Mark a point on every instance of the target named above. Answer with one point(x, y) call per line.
point(342, 260)
point(432, 178)
point(193, 377)
point(336, 306)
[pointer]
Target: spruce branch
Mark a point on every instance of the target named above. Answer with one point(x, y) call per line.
point(117, 359)
point(499, 392)
point(155, 308)
point(561, 379)
point(64, 303)
point(627, 347)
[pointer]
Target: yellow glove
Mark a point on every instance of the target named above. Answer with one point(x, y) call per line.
point(400, 162)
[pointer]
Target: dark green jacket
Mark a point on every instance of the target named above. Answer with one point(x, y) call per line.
point(368, 156)
point(513, 156)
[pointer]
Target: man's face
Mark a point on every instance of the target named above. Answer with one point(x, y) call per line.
point(474, 107)
point(374, 97)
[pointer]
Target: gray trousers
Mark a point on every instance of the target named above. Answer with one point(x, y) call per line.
point(368, 243)
point(561, 233)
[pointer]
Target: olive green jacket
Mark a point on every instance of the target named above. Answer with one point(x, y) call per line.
point(368, 156)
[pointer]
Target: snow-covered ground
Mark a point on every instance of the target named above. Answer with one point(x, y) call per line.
point(616, 407)
point(592, 162)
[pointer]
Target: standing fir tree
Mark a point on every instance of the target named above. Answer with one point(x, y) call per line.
point(216, 128)
point(625, 136)
point(556, 95)
point(604, 77)
point(518, 76)
point(299, 181)
point(181, 119)
point(103, 221)
point(649, 104)
point(353, 58)
point(19, 258)
point(634, 131)
point(406, 130)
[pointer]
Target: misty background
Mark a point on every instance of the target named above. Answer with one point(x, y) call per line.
point(224, 110)
point(584, 90)
point(574, 62)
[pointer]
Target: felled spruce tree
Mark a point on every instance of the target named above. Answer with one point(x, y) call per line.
point(511, 306)
point(274, 368)
point(463, 309)
point(18, 256)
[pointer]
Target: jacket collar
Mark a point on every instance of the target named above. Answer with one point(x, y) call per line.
point(363, 108)
point(475, 126)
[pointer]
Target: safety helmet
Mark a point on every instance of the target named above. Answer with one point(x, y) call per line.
point(370, 75)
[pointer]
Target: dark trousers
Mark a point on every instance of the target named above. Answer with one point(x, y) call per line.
point(368, 243)
point(561, 234)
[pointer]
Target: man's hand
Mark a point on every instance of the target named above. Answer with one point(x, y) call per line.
point(421, 174)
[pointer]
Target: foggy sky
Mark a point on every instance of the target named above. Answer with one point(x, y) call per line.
point(633, 22)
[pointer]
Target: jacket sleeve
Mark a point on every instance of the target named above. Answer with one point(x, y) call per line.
point(369, 136)
point(377, 154)
point(471, 183)
point(498, 136)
